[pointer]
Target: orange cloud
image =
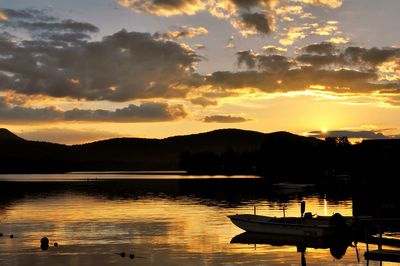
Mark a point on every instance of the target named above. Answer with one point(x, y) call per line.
point(164, 7)
point(3, 16)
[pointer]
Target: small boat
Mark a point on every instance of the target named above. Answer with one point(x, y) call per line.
point(309, 227)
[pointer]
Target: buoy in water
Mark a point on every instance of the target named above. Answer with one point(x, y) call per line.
point(11, 236)
point(132, 256)
point(1, 234)
point(122, 254)
point(44, 243)
point(56, 244)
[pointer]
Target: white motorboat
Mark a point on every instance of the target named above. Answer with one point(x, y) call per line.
point(296, 226)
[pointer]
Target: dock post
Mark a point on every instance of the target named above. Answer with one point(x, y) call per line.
point(366, 237)
point(255, 210)
point(380, 238)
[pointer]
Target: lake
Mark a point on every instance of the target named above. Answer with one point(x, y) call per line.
point(168, 220)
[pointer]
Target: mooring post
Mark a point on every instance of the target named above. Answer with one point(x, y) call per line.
point(366, 237)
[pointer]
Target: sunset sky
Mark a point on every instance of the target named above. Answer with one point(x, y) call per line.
point(77, 71)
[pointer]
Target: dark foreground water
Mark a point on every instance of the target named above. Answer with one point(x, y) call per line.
point(160, 221)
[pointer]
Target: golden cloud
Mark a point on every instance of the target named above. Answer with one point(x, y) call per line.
point(3, 16)
point(164, 7)
point(249, 16)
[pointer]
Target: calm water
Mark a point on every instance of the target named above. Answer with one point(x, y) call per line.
point(167, 222)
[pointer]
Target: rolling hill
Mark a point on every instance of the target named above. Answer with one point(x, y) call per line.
point(23, 156)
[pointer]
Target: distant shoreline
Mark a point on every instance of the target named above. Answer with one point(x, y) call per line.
point(115, 176)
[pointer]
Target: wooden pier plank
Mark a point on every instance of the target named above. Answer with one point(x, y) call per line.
point(383, 255)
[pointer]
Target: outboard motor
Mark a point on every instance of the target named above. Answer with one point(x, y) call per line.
point(302, 208)
point(340, 223)
point(338, 220)
point(308, 215)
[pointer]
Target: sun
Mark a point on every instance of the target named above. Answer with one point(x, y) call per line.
point(324, 130)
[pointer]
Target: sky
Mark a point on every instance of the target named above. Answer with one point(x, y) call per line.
point(79, 71)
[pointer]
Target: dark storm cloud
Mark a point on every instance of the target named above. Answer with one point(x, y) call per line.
point(324, 48)
point(257, 22)
point(146, 112)
point(273, 63)
point(224, 119)
point(270, 63)
point(364, 134)
point(371, 57)
point(123, 66)
point(319, 60)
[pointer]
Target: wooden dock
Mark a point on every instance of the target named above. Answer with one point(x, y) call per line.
point(383, 255)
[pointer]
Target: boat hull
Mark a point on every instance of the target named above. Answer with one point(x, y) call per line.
point(269, 225)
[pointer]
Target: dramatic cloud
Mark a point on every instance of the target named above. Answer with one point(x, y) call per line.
point(225, 119)
point(132, 65)
point(323, 67)
point(253, 23)
point(120, 67)
point(249, 16)
point(183, 32)
point(146, 112)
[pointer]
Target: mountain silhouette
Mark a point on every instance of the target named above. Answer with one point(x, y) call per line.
point(6, 135)
point(224, 151)
point(19, 155)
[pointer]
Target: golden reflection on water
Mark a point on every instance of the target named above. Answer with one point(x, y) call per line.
point(164, 231)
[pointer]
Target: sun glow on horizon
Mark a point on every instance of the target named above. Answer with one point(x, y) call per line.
point(324, 130)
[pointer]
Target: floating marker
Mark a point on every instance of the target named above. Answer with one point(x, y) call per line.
point(11, 236)
point(44, 243)
point(122, 254)
point(1, 234)
point(56, 244)
point(132, 256)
